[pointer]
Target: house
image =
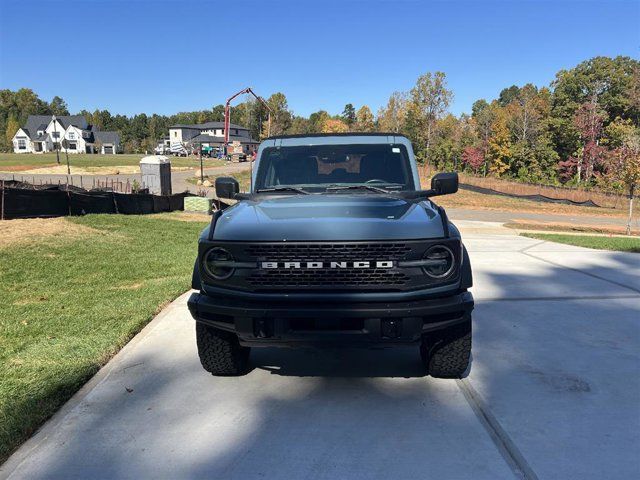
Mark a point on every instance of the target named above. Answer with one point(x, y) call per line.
point(66, 133)
point(211, 134)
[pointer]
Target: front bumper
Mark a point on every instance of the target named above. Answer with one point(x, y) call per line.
point(287, 323)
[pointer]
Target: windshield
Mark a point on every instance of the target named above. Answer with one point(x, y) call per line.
point(322, 167)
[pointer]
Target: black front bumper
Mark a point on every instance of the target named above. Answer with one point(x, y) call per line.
point(290, 323)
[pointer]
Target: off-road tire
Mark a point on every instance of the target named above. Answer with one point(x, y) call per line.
point(220, 352)
point(446, 353)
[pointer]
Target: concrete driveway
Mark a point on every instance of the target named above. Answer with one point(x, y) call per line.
point(554, 392)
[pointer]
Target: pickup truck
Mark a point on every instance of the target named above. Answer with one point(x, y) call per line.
point(335, 244)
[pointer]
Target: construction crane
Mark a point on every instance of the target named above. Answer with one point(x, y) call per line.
point(227, 113)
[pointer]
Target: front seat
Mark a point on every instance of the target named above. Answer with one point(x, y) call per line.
point(372, 168)
point(297, 171)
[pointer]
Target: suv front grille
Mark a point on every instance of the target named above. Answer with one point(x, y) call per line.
point(326, 278)
point(325, 251)
point(343, 252)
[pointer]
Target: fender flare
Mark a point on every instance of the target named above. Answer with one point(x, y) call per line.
point(466, 277)
point(195, 277)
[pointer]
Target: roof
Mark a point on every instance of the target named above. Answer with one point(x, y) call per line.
point(207, 126)
point(40, 122)
point(76, 120)
point(342, 134)
point(106, 137)
point(203, 138)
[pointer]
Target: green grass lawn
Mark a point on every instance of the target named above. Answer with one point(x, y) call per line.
point(244, 179)
point(619, 244)
point(70, 302)
point(23, 160)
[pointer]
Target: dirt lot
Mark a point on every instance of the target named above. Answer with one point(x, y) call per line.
point(480, 201)
point(87, 164)
point(19, 231)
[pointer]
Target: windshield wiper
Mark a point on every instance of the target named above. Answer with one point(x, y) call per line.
point(371, 188)
point(282, 189)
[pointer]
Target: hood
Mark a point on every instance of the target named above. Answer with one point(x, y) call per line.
point(342, 217)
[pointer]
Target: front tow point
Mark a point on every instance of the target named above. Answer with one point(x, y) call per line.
point(391, 328)
point(262, 327)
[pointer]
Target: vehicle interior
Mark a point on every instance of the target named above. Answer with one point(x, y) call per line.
point(335, 164)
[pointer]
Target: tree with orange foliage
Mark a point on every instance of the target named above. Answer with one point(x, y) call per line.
point(333, 125)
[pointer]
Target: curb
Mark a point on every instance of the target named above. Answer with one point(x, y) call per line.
point(15, 460)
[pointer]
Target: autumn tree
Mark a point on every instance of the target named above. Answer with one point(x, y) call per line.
point(280, 114)
point(609, 82)
point(334, 125)
point(429, 100)
point(317, 121)
point(588, 122)
point(499, 145)
point(452, 135)
point(364, 120)
point(474, 158)
point(483, 116)
point(532, 155)
point(299, 125)
point(12, 128)
point(392, 117)
point(624, 166)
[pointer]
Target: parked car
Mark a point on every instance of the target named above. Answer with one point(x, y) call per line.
point(335, 244)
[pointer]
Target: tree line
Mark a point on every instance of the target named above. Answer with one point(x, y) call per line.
point(582, 129)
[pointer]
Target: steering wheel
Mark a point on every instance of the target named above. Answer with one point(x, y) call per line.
point(376, 180)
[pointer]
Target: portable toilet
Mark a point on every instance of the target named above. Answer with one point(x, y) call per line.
point(156, 174)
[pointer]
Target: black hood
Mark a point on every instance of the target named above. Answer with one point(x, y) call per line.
point(342, 217)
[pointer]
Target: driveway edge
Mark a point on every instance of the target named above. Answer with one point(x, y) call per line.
point(23, 451)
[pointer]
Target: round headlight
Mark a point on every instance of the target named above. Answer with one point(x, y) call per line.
point(217, 262)
point(440, 261)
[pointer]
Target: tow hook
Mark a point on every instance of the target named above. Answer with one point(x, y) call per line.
point(391, 328)
point(262, 327)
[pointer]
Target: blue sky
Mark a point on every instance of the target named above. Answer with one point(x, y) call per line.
point(169, 56)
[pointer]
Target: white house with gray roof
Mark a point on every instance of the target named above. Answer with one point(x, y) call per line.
point(211, 134)
point(67, 133)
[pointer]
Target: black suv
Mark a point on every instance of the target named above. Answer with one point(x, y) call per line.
point(335, 244)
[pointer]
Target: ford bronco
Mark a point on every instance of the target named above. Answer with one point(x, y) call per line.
point(335, 244)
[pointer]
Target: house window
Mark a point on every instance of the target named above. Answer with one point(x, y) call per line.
point(22, 144)
point(40, 133)
point(72, 136)
point(72, 146)
point(175, 134)
point(55, 134)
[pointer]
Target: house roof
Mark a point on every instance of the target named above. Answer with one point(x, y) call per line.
point(106, 137)
point(203, 138)
point(207, 126)
point(40, 122)
point(76, 120)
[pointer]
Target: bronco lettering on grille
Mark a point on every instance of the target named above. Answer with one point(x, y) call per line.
point(324, 265)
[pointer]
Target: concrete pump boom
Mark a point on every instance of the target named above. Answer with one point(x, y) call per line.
point(227, 113)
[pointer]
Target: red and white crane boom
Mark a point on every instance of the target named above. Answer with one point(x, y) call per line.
point(227, 113)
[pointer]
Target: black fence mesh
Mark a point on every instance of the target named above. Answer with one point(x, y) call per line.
point(23, 200)
point(534, 198)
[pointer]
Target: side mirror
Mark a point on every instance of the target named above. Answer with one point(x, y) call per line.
point(226, 187)
point(443, 183)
